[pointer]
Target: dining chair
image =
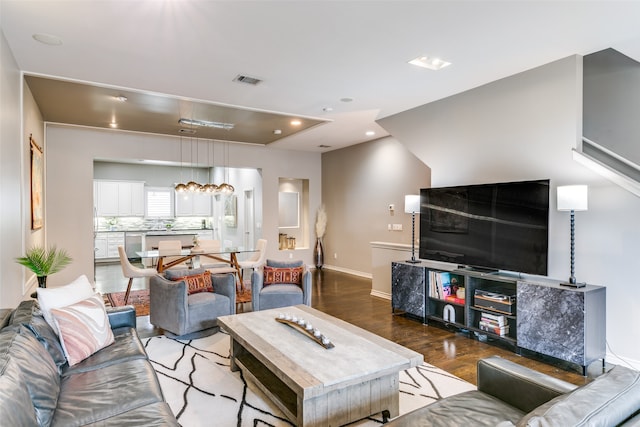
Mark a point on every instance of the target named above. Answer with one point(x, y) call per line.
point(171, 247)
point(257, 259)
point(132, 272)
point(215, 267)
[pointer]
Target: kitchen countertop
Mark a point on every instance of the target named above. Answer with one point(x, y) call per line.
point(158, 232)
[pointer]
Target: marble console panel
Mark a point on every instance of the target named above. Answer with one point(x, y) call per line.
point(562, 322)
point(408, 288)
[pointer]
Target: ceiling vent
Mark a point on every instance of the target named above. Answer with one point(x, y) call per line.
point(247, 79)
point(187, 131)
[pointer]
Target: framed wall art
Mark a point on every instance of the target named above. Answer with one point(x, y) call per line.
point(37, 185)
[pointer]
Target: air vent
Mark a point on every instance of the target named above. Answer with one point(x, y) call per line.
point(187, 131)
point(247, 79)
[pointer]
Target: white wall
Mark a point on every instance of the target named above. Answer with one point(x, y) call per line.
point(70, 154)
point(20, 118)
point(524, 127)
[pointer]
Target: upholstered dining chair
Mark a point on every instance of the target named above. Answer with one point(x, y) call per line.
point(171, 247)
point(188, 314)
point(281, 292)
point(132, 272)
point(257, 259)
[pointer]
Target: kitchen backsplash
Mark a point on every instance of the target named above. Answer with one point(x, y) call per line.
point(137, 223)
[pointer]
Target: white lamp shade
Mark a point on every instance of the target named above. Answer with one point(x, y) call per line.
point(412, 203)
point(573, 198)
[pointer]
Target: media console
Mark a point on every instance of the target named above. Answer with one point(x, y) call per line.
point(537, 316)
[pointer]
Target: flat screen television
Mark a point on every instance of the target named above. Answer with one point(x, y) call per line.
point(502, 226)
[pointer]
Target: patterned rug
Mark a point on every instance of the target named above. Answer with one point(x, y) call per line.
point(139, 299)
point(202, 391)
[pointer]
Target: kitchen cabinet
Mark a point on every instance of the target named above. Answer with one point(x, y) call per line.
point(193, 204)
point(119, 198)
point(106, 244)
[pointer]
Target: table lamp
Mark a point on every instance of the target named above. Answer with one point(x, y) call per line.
point(412, 206)
point(573, 198)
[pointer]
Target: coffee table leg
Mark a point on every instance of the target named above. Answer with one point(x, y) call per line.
point(232, 360)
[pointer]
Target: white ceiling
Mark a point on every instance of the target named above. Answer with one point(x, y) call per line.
point(310, 54)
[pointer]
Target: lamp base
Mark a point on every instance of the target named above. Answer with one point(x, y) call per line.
point(414, 261)
point(573, 285)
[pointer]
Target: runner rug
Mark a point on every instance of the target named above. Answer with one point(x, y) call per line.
point(202, 391)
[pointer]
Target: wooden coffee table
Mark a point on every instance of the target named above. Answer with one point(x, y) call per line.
point(312, 385)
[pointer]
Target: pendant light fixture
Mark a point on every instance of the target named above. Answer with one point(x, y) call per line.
point(193, 186)
point(210, 187)
point(180, 187)
point(225, 187)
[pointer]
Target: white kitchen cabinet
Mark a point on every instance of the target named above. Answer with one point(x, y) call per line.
point(106, 244)
point(119, 198)
point(193, 204)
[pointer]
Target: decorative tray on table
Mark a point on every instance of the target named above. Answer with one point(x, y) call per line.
point(306, 328)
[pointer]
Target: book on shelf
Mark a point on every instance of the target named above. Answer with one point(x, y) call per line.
point(439, 284)
point(499, 319)
point(489, 327)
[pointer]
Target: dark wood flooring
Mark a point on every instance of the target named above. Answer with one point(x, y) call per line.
point(348, 297)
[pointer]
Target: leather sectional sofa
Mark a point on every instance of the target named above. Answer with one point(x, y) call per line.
point(509, 394)
point(116, 386)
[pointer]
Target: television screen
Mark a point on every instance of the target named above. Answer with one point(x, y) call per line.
point(502, 226)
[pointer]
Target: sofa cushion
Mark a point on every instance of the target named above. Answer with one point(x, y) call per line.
point(274, 275)
point(49, 298)
point(155, 414)
point(126, 346)
point(29, 314)
point(112, 390)
point(472, 408)
point(16, 406)
point(40, 374)
point(83, 328)
point(608, 400)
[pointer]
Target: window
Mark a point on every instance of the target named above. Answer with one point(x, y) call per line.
point(158, 202)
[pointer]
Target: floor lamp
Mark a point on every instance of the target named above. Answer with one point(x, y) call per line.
point(412, 206)
point(573, 198)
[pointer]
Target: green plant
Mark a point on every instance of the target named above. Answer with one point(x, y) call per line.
point(44, 262)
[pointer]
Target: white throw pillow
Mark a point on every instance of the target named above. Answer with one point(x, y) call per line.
point(62, 296)
point(84, 328)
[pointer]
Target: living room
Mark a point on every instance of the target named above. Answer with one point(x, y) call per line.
point(522, 126)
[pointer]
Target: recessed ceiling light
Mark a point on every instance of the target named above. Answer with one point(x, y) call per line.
point(324, 146)
point(296, 122)
point(327, 109)
point(370, 133)
point(277, 131)
point(430, 63)
point(121, 98)
point(113, 125)
point(48, 39)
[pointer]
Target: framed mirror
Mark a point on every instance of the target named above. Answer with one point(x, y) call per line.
point(289, 209)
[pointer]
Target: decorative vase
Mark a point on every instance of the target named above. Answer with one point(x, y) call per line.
point(318, 253)
point(42, 281)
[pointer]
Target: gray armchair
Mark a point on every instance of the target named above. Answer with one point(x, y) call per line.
point(280, 295)
point(189, 316)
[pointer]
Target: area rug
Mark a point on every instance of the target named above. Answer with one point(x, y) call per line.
point(202, 391)
point(139, 299)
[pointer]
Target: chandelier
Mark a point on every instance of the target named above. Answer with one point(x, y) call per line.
point(208, 188)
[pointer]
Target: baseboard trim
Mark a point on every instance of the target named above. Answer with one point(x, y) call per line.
point(348, 271)
point(385, 295)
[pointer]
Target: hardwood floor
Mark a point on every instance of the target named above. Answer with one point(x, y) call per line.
point(348, 297)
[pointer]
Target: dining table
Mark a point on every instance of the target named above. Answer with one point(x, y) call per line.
point(226, 255)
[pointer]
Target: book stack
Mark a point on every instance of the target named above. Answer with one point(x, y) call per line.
point(439, 284)
point(494, 323)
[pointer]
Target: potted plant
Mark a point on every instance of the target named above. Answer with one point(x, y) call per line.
point(44, 262)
